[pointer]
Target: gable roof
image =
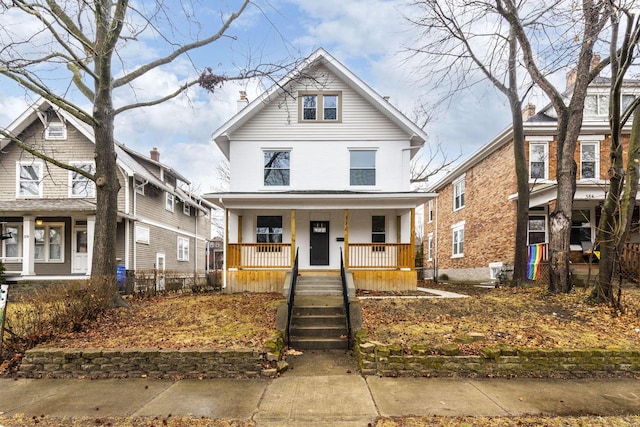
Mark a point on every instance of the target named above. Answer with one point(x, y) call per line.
point(321, 57)
point(129, 160)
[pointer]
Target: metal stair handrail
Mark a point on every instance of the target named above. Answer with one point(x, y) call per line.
point(291, 296)
point(346, 299)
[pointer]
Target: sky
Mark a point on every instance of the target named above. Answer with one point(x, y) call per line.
point(367, 36)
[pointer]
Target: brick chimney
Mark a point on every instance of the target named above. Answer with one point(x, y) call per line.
point(243, 101)
point(155, 154)
point(528, 112)
point(573, 73)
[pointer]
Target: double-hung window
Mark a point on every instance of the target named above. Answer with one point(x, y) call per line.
point(320, 106)
point(430, 211)
point(538, 157)
point(430, 247)
point(11, 247)
point(362, 167)
point(142, 234)
point(458, 193)
point(49, 243)
point(378, 231)
point(80, 185)
point(589, 160)
point(277, 170)
point(183, 249)
point(269, 230)
point(29, 182)
point(169, 202)
point(537, 229)
point(596, 105)
point(457, 231)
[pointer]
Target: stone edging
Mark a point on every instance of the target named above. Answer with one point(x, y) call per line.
point(42, 362)
point(502, 361)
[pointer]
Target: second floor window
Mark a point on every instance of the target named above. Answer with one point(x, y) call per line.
point(538, 155)
point(29, 179)
point(430, 211)
point(276, 167)
point(81, 186)
point(458, 193)
point(363, 167)
point(170, 200)
point(142, 234)
point(589, 153)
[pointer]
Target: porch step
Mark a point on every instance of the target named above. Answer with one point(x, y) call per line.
point(319, 285)
point(318, 322)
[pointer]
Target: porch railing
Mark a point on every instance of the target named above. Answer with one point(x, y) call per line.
point(630, 261)
point(259, 255)
point(380, 255)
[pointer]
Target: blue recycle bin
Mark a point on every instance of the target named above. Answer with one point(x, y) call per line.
point(121, 276)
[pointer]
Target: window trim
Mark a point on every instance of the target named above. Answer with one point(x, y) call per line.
point(47, 245)
point(89, 183)
point(182, 253)
point(56, 125)
point(430, 211)
point(430, 247)
point(542, 215)
point(596, 142)
point(40, 166)
point(18, 237)
point(459, 199)
point(186, 209)
point(142, 234)
point(139, 184)
point(269, 234)
point(457, 248)
point(320, 118)
point(169, 197)
point(264, 167)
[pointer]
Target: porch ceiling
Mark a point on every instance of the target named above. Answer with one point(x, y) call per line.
point(319, 200)
point(543, 194)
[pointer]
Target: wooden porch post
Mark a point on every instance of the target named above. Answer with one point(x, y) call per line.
point(412, 239)
point(293, 236)
point(226, 239)
point(346, 238)
point(239, 228)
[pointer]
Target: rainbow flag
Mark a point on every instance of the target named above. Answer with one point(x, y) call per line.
point(536, 254)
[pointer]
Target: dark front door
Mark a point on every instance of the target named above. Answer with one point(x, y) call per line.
point(319, 243)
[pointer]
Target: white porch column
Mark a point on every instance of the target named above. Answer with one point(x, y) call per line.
point(91, 228)
point(28, 246)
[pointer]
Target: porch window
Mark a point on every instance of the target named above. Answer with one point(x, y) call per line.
point(363, 167)
point(183, 249)
point(458, 193)
point(11, 248)
point(589, 153)
point(49, 243)
point(580, 226)
point(378, 232)
point(29, 179)
point(269, 230)
point(276, 167)
point(538, 155)
point(537, 229)
point(80, 185)
point(457, 240)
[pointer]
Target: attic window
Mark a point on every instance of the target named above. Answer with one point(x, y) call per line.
point(320, 107)
point(55, 130)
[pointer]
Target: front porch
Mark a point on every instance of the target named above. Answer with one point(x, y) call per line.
point(321, 238)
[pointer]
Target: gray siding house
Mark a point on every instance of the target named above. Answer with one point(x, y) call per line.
point(47, 214)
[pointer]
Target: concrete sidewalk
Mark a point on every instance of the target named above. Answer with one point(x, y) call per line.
point(322, 389)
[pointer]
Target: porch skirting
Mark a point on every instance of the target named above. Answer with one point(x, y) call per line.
point(255, 280)
point(385, 280)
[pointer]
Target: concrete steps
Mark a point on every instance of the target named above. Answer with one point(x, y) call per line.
point(318, 320)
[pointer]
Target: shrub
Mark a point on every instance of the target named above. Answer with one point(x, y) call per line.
point(47, 311)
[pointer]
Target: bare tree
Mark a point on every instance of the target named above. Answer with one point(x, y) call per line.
point(453, 35)
point(82, 43)
point(589, 20)
point(617, 210)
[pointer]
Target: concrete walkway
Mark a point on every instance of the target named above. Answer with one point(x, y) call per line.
point(321, 389)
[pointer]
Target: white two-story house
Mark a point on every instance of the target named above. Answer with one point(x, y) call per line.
point(320, 166)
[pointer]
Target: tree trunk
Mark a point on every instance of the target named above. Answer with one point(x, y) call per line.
point(522, 208)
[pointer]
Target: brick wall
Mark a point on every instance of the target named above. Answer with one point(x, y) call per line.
point(489, 217)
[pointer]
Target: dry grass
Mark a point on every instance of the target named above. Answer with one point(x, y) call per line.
point(182, 321)
point(525, 421)
point(45, 421)
point(522, 317)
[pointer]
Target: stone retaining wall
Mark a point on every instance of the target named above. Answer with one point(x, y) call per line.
point(154, 363)
point(390, 360)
